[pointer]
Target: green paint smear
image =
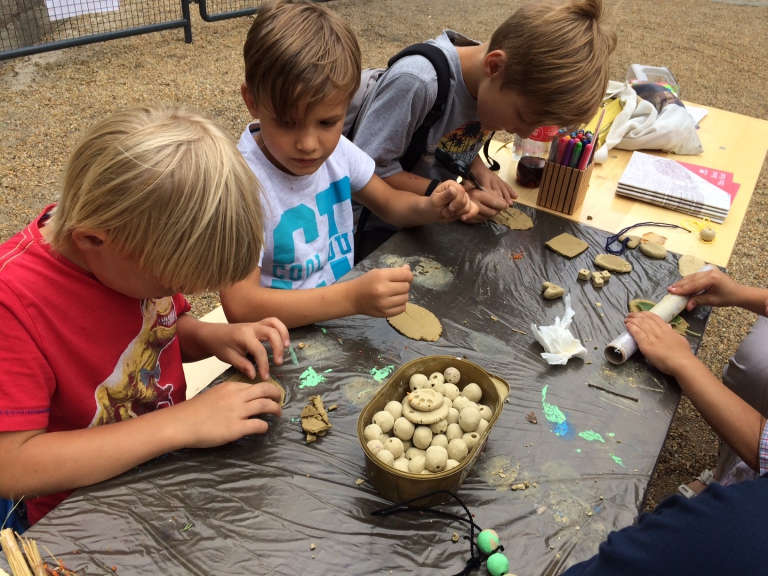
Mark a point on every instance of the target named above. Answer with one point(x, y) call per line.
point(380, 373)
point(578, 450)
point(293, 356)
point(617, 460)
point(310, 378)
point(590, 436)
point(324, 331)
point(551, 412)
point(329, 370)
point(611, 434)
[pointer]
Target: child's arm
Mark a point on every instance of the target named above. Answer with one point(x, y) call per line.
point(35, 463)
point(718, 289)
point(448, 202)
point(382, 293)
point(735, 421)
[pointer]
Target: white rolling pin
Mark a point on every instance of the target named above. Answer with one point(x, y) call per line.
point(620, 349)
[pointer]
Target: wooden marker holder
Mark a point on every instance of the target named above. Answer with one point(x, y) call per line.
point(563, 189)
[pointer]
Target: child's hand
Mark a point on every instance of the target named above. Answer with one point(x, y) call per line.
point(493, 184)
point(488, 204)
point(452, 202)
point(223, 414)
point(718, 289)
point(234, 341)
point(382, 292)
point(665, 348)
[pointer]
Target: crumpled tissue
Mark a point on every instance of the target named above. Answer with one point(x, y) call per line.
point(557, 340)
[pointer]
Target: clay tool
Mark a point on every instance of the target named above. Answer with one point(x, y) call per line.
point(609, 391)
point(456, 167)
point(621, 348)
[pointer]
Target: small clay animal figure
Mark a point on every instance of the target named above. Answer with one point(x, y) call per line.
point(552, 291)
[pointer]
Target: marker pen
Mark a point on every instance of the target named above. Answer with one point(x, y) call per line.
point(586, 153)
point(576, 155)
point(566, 160)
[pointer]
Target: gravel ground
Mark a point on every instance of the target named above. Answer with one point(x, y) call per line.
point(717, 51)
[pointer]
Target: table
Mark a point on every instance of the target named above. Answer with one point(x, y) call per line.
point(732, 142)
point(256, 505)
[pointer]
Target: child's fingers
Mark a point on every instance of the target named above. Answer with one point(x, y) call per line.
point(275, 339)
point(402, 274)
point(259, 353)
point(281, 329)
point(262, 390)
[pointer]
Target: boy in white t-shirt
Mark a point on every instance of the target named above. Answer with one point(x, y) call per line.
point(299, 90)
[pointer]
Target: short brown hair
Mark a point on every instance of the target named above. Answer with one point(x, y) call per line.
point(557, 58)
point(298, 54)
point(172, 190)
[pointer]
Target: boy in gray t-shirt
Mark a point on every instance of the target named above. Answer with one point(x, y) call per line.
point(522, 78)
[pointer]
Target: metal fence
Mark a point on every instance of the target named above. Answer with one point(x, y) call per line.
point(34, 26)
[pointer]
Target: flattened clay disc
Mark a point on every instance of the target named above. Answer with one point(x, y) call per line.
point(417, 323)
point(633, 240)
point(425, 418)
point(689, 265)
point(653, 237)
point(567, 245)
point(514, 219)
point(612, 263)
point(653, 250)
point(239, 377)
point(425, 399)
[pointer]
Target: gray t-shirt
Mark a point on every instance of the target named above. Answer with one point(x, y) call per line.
point(403, 96)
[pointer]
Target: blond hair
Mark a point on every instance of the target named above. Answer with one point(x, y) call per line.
point(298, 54)
point(172, 190)
point(557, 58)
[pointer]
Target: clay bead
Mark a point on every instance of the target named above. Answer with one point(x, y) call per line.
point(482, 427)
point(394, 445)
point(407, 444)
point(485, 412)
point(418, 381)
point(470, 439)
point(469, 419)
point(395, 408)
point(452, 375)
point(450, 391)
point(437, 458)
point(472, 392)
point(437, 376)
point(386, 457)
point(457, 449)
point(451, 464)
point(707, 234)
point(383, 437)
point(460, 403)
point(422, 437)
point(412, 452)
point(440, 427)
point(427, 472)
point(403, 428)
point(454, 431)
point(372, 432)
point(417, 464)
point(401, 464)
point(453, 416)
point(440, 440)
point(375, 446)
point(385, 420)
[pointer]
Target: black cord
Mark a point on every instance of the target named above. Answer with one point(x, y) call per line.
point(475, 561)
point(615, 237)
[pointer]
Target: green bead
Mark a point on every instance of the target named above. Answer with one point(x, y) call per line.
point(487, 541)
point(498, 565)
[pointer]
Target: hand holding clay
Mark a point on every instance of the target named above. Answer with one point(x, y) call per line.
point(488, 205)
point(382, 292)
point(451, 202)
point(659, 343)
point(717, 288)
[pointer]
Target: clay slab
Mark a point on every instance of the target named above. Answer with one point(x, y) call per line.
point(417, 323)
point(613, 263)
point(514, 219)
point(653, 250)
point(689, 265)
point(567, 245)
point(633, 240)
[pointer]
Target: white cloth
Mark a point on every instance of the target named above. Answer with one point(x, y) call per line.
point(60, 9)
point(308, 228)
point(559, 344)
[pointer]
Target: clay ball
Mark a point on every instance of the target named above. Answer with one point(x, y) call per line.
point(437, 376)
point(460, 403)
point(470, 439)
point(403, 428)
point(375, 446)
point(482, 427)
point(394, 445)
point(395, 408)
point(383, 437)
point(472, 392)
point(447, 402)
point(412, 452)
point(457, 449)
point(450, 391)
point(407, 444)
point(707, 234)
point(386, 457)
point(427, 472)
point(422, 437)
point(436, 385)
point(452, 375)
point(453, 416)
point(439, 440)
point(385, 420)
point(469, 419)
point(418, 381)
point(437, 458)
point(401, 464)
point(372, 432)
point(417, 464)
point(485, 412)
point(454, 431)
point(451, 464)
point(439, 427)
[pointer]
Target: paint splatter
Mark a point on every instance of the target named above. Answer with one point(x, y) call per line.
point(310, 378)
point(293, 356)
point(380, 373)
point(554, 415)
point(578, 450)
point(591, 436)
point(324, 331)
point(611, 434)
point(617, 460)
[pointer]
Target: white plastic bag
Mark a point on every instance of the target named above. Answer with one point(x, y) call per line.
point(557, 340)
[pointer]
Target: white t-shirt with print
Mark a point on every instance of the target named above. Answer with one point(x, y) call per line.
point(308, 227)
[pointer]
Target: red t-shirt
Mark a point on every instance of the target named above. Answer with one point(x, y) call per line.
point(75, 353)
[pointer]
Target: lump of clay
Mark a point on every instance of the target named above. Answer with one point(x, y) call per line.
point(471, 439)
point(567, 245)
point(688, 265)
point(707, 234)
point(461, 402)
point(457, 449)
point(422, 437)
point(385, 420)
point(583, 274)
point(372, 432)
point(437, 376)
point(454, 431)
point(417, 464)
point(375, 446)
point(403, 429)
point(453, 416)
point(597, 280)
point(482, 427)
point(440, 427)
point(437, 458)
point(386, 457)
point(653, 250)
point(452, 376)
point(439, 440)
point(417, 323)
point(418, 381)
point(401, 464)
point(425, 400)
point(485, 412)
point(411, 453)
point(473, 392)
point(469, 419)
point(395, 408)
point(451, 464)
point(513, 219)
point(633, 240)
point(395, 446)
point(451, 391)
point(552, 291)
point(426, 418)
point(613, 263)
point(314, 419)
